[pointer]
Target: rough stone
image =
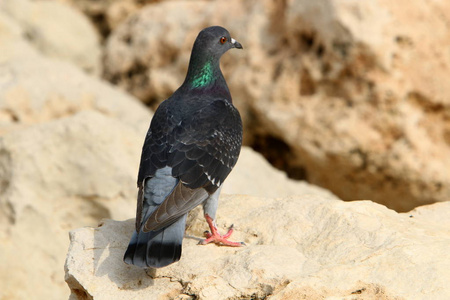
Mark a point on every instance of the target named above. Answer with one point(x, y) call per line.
point(36, 89)
point(348, 95)
point(306, 245)
point(253, 175)
point(59, 175)
point(58, 31)
point(437, 213)
point(106, 15)
point(54, 177)
point(143, 54)
point(47, 170)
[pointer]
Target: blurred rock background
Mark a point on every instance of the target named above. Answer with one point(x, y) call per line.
point(352, 96)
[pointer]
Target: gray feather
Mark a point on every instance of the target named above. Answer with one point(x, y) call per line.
point(180, 201)
point(160, 247)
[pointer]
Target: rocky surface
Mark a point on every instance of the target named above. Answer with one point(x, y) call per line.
point(59, 175)
point(348, 95)
point(35, 88)
point(149, 58)
point(304, 247)
point(56, 124)
point(69, 152)
point(106, 15)
point(253, 175)
point(351, 95)
point(56, 30)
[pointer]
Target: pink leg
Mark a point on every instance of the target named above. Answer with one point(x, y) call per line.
point(215, 237)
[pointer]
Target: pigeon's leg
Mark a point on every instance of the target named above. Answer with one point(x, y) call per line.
point(215, 237)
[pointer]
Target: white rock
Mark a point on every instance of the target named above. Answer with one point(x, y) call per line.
point(55, 177)
point(437, 213)
point(57, 30)
point(356, 90)
point(324, 248)
point(72, 172)
point(253, 175)
point(36, 89)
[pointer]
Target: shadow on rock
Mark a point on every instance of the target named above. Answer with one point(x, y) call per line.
point(109, 248)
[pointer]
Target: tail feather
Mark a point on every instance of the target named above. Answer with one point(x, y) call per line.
point(156, 249)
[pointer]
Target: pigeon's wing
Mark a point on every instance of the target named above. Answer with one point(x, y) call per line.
point(207, 146)
point(155, 149)
point(154, 152)
point(204, 147)
point(178, 203)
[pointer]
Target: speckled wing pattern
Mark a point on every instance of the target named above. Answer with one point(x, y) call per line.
point(202, 148)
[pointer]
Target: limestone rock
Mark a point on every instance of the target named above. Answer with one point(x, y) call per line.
point(106, 15)
point(36, 89)
point(436, 213)
point(73, 171)
point(323, 248)
point(151, 52)
point(54, 177)
point(149, 57)
point(58, 31)
point(354, 96)
point(253, 175)
point(347, 91)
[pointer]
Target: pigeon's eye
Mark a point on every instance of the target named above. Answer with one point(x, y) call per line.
point(223, 40)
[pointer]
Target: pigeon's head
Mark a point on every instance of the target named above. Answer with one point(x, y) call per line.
point(215, 41)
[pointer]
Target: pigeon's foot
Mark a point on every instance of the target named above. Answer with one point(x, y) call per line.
point(215, 237)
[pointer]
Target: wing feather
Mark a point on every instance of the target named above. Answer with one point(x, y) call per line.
point(201, 145)
point(178, 203)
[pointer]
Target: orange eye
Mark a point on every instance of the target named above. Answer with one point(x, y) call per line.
point(223, 40)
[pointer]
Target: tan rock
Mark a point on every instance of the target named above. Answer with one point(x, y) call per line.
point(323, 248)
point(13, 44)
point(58, 31)
point(253, 175)
point(118, 11)
point(55, 177)
point(355, 93)
point(36, 89)
point(361, 291)
point(351, 100)
point(48, 180)
point(151, 52)
point(149, 57)
point(435, 213)
point(72, 172)
point(106, 15)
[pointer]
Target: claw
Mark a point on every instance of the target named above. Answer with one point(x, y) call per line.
point(215, 237)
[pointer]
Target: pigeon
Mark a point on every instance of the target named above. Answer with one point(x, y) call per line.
point(193, 143)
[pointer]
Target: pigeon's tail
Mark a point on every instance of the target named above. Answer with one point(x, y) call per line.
point(156, 249)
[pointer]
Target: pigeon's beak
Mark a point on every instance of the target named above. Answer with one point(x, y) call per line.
point(236, 44)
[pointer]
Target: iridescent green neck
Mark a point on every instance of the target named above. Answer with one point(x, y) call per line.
point(204, 77)
point(204, 74)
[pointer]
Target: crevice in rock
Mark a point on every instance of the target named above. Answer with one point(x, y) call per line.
point(77, 289)
point(426, 104)
point(81, 294)
point(307, 85)
point(5, 170)
point(100, 22)
point(279, 154)
point(307, 40)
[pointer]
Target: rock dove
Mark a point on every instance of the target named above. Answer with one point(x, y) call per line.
point(193, 143)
